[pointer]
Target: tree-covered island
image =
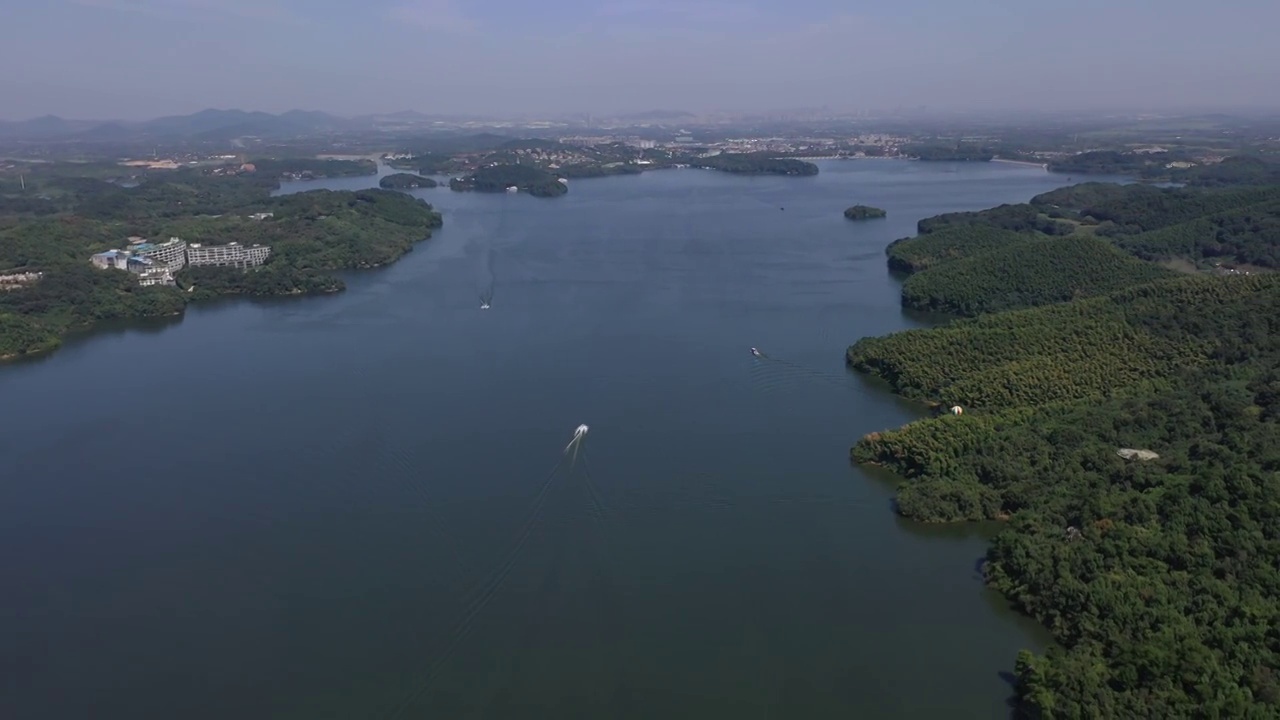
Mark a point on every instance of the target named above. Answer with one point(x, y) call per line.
point(406, 181)
point(285, 245)
point(756, 164)
point(863, 212)
point(1122, 420)
point(502, 178)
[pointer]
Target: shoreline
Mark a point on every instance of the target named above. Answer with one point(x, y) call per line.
point(1025, 163)
point(811, 158)
point(230, 296)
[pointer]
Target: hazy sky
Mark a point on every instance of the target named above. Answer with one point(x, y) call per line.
point(141, 58)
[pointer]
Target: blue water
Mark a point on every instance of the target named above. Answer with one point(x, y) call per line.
point(324, 507)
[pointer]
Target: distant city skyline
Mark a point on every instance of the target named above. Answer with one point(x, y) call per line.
point(140, 59)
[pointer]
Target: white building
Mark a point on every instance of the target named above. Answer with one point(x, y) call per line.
point(229, 255)
point(156, 264)
point(13, 281)
point(172, 254)
point(116, 259)
point(150, 272)
point(158, 275)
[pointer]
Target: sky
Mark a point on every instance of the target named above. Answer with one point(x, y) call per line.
point(134, 59)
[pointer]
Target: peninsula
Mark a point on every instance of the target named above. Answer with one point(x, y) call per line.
point(76, 248)
point(864, 212)
point(1121, 419)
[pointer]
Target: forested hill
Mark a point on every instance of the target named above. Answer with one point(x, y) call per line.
point(1143, 336)
point(1248, 235)
point(1130, 209)
point(1082, 241)
point(1158, 572)
point(1027, 272)
point(1173, 166)
point(1110, 209)
point(406, 181)
point(498, 178)
point(948, 243)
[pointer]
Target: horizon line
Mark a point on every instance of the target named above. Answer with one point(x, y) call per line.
point(897, 110)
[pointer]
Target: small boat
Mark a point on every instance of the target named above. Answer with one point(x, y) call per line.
point(484, 306)
point(755, 352)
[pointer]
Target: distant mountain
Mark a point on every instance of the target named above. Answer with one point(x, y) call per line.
point(207, 125)
point(413, 117)
point(403, 116)
point(658, 115)
point(107, 132)
point(201, 122)
point(49, 126)
point(227, 124)
point(311, 117)
point(478, 142)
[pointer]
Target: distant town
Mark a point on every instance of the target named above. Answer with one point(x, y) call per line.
point(569, 150)
point(592, 155)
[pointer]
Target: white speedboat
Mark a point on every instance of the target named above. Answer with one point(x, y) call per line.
point(484, 306)
point(755, 352)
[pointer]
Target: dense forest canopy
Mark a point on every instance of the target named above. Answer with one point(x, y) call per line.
point(1248, 235)
point(948, 243)
point(1235, 170)
point(157, 194)
point(1174, 166)
point(1141, 208)
point(1025, 273)
point(1006, 263)
point(1111, 162)
point(1064, 351)
point(1126, 426)
point(757, 164)
point(954, 152)
point(1024, 217)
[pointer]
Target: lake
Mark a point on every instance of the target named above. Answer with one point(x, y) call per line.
point(358, 505)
